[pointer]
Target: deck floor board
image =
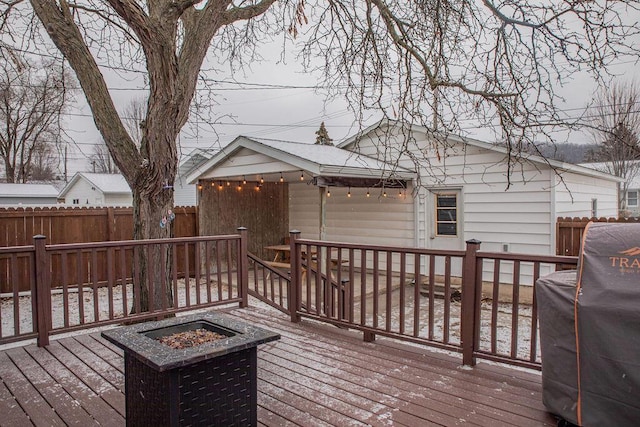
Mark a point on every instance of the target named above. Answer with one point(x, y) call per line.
point(315, 374)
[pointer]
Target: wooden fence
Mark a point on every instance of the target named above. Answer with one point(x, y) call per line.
point(66, 225)
point(569, 232)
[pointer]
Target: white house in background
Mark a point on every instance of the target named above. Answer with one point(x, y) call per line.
point(633, 189)
point(28, 194)
point(462, 195)
point(633, 193)
point(97, 189)
point(185, 194)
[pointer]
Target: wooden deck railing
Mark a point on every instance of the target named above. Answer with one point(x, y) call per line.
point(480, 304)
point(219, 277)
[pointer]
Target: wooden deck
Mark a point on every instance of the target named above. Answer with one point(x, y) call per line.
point(316, 375)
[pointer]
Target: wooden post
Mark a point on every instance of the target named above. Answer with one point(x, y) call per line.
point(295, 284)
point(243, 267)
point(42, 292)
point(469, 308)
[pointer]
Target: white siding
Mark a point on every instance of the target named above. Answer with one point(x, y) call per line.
point(575, 192)
point(118, 200)
point(184, 194)
point(519, 216)
point(246, 162)
point(85, 193)
point(375, 220)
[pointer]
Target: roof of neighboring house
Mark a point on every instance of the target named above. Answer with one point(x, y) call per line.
point(27, 190)
point(318, 160)
point(107, 183)
point(194, 158)
point(558, 165)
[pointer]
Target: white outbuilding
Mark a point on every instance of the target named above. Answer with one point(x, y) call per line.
point(358, 192)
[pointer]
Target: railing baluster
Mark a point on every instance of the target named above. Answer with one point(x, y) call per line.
point(389, 290)
point(533, 339)
point(447, 300)
point(402, 302)
point(417, 283)
point(515, 304)
point(495, 300)
point(432, 284)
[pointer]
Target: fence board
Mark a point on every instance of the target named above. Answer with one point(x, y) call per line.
point(569, 232)
point(80, 225)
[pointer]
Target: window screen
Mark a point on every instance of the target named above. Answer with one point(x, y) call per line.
point(446, 215)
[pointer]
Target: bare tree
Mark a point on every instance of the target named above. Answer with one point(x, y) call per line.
point(133, 117)
point(616, 131)
point(33, 97)
point(101, 160)
point(417, 61)
point(44, 164)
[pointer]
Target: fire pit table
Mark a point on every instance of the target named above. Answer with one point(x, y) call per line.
point(211, 383)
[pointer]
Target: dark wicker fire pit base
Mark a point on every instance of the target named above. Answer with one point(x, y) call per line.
point(214, 392)
point(212, 384)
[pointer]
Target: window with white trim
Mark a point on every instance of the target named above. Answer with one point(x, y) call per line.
point(446, 214)
point(632, 198)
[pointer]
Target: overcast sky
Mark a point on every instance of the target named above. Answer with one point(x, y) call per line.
point(278, 101)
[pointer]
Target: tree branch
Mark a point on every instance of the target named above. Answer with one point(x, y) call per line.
point(58, 21)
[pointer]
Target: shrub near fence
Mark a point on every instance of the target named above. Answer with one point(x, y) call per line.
point(63, 225)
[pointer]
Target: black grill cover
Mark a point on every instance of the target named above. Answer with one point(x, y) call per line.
point(556, 294)
point(605, 317)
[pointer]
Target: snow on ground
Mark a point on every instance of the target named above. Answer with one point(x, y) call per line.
point(84, 307)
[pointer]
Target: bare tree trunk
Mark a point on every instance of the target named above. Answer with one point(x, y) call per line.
point(151, 221)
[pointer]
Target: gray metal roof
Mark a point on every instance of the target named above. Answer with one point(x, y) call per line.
point(318, 160)
point(27, 190)
point(107, 183)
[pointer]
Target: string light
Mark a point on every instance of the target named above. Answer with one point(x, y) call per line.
point(239, 187)
point(281, 177)
point(200, 187)
point(213, 183)
point(257, 186)
point(244, 180)
point(301, 176)
point(228, 183)
point(261, 180)
point(368, 194)
point(220, 186)
point(349, 192)
point(384, 194)
point(328, 192)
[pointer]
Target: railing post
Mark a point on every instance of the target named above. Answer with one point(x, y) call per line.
point(42, 291)
point(295, 282)
point(243, 267)
point(469, 308)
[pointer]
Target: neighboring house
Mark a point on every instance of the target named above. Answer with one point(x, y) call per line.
point(97, 189)
point(28, 194)
point(462, 196)
point(185, 194)
point(633, 193)
point(631, 206)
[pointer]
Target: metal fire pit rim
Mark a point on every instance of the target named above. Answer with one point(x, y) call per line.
point(132, 340)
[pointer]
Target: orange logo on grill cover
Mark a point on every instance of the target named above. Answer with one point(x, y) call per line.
point(629, 262)
point(632, 252)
